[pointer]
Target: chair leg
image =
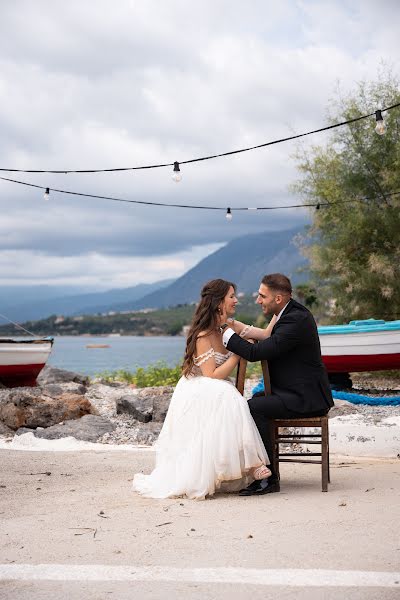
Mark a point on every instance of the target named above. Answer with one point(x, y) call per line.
point(329, 468)
point(324, 455)
point(275, 446)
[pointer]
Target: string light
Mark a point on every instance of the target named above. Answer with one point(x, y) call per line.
point(380, 126)
point(228, 214)
point(192, 160)
point(176, 175)
point(201, 207)
point(46, 195)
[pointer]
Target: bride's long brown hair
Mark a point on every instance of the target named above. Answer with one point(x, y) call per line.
point(206, 318)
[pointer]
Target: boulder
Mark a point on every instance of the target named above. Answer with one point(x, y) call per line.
point(89, 429)
point(161, 399)
point(56, 389)
point(139, 408)
point(104, 397)
point(53, 375)
point(5, 431)
point(29, 407)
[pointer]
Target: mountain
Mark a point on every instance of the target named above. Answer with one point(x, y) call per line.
point(42, 305)
point(10, 294)
point(244, 261)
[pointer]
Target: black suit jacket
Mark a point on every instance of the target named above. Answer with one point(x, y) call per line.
point(293, 352)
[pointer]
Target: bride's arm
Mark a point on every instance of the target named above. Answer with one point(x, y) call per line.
point(249, 332)
point(206, 361)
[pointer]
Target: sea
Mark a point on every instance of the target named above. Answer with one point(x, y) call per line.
point(125, 352)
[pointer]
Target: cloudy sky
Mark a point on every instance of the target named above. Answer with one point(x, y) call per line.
point(86, 85)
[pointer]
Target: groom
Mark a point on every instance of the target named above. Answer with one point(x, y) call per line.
point(299, 382)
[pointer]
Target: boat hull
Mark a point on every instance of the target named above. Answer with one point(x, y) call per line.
point(20, 375)
point(352, 363)
point(364, 351)
point(22, 361)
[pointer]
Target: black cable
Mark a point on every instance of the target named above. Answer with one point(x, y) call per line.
point(192, 160)
point(197, 207)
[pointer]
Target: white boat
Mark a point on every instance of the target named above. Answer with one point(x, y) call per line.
point(22, 360)
point(371, 345)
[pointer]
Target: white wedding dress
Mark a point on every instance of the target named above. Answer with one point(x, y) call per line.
point(208, 442)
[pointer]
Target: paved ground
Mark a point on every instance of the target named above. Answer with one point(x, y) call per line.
point(54, 527)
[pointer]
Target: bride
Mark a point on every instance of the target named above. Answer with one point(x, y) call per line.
point(209, 440)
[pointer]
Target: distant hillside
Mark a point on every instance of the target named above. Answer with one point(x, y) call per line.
point(244, 261)
point(166, 321)
point(95, 302)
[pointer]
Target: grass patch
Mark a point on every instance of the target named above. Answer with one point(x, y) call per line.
point(159, 374)
point(155, 375)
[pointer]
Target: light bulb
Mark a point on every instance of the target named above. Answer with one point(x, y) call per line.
point(380, 126)
point(46, 195)
point(176, 175)
point(228, 214)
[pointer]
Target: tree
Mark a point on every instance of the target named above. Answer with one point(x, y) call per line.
point(354, 247)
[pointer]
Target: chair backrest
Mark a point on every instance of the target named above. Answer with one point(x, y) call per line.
point(267, 380)
point(241, 375)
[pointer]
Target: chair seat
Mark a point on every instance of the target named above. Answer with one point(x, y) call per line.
point(300, 422)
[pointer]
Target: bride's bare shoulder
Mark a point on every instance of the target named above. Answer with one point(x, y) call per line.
point(203, 334)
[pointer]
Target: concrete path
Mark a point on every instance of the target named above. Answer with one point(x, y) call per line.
point(78, 532)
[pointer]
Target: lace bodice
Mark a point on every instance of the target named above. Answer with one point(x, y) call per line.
point(219, 357)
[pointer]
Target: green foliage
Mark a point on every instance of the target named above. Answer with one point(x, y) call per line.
point(354, 247)
point(306, 294)
point(253, 369)
point(118, 375)
point(158, 374)
point(175, 328)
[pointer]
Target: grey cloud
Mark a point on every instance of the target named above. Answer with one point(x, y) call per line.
point(97, 85)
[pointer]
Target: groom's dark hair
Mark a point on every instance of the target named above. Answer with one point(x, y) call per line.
point(278, 283)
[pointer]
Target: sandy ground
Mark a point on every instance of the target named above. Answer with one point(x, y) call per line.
point(84, 513)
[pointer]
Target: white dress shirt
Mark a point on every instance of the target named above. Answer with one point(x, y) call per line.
point(228, 333)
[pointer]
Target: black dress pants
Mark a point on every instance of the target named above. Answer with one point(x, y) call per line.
point(264, 410)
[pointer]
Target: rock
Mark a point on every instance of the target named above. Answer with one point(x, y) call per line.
point(342, 407)
point(56, 389)
point(6, 431)
point(140, 408)
point(137, 433)
point(89, 429)
point(161, 402)
point(53, 375)
point(28, 407)
point(145, 434)
point(104, 397)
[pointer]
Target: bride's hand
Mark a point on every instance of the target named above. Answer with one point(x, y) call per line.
point(273, 320)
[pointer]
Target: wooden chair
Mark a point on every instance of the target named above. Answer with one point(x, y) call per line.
point(241, 375)
point(321, 438)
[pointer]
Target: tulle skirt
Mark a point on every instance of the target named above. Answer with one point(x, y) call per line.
point(208, 442)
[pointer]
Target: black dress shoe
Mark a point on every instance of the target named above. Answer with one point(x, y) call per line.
point(261, 486)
